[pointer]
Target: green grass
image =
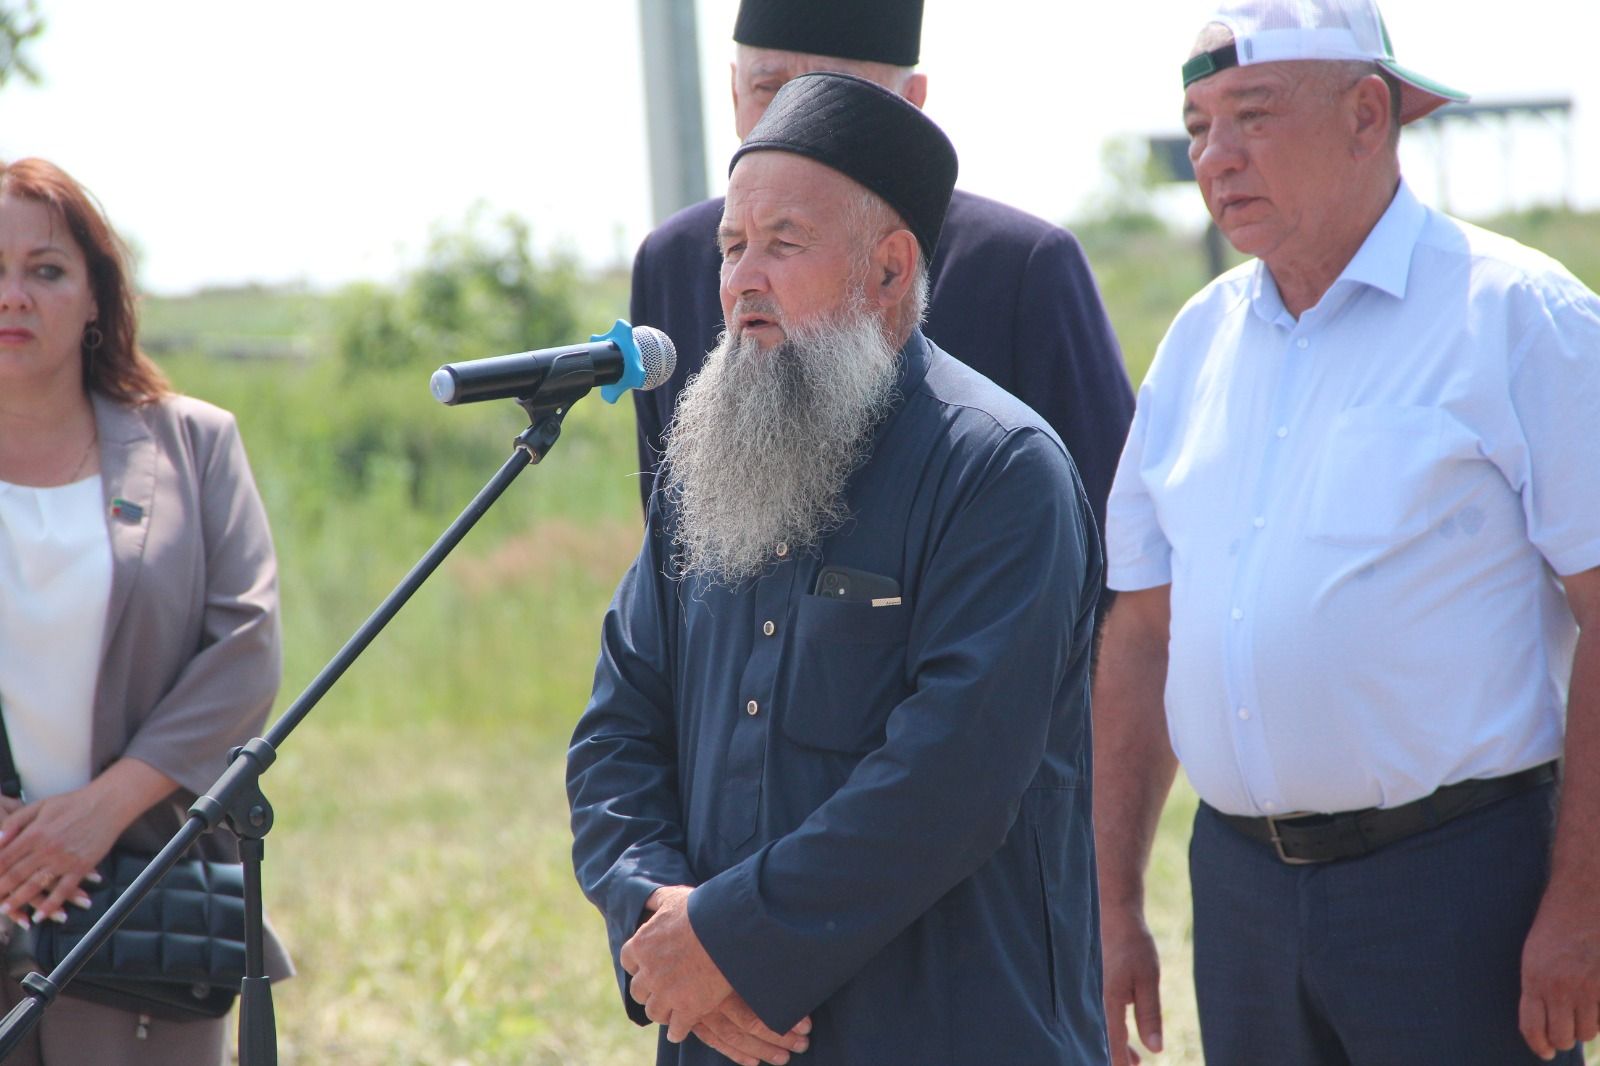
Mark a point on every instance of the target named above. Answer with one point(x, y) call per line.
point(420, 868)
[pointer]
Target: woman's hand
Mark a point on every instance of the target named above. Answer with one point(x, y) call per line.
point(46, 851)
point(49, 848)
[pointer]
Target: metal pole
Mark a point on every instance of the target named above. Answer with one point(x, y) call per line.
point(673, 112)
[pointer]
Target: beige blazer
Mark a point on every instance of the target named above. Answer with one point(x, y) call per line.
point(189, 669)
point(192, 658)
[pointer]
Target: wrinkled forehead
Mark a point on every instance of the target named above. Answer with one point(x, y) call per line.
point(755, 63)
point(1260, 84)
point(774, 176)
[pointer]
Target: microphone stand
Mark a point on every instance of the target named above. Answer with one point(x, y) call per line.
point(236, 796)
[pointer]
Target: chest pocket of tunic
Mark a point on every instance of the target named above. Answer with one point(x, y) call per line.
point(1385, 474)
point(847, 673)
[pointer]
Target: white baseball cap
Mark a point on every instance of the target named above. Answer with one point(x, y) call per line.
point(1271, 31)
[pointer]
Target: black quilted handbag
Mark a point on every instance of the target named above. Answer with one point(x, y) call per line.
point(180, 954)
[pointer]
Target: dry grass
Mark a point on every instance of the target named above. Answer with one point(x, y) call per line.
point(426, 891)
point(552, 551)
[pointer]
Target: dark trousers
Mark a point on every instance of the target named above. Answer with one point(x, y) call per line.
point(1410, 955)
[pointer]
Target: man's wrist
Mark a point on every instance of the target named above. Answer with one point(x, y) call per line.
point(1124, 913)
point(660, 897)
point(1571, 891)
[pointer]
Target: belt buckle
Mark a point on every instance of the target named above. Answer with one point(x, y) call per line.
point(1277, 842)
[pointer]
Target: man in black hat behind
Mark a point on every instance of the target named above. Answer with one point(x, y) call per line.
point(831, 789)
point(1011, 295)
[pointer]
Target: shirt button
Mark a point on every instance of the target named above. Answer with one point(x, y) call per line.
point(752, 708)
point(768, 628)
point(1268, 805)
point(782, 549)
point(1302, 344)
point(1258, 522)
point(1244, 713)
point(1283, 431)
point(1237, 614)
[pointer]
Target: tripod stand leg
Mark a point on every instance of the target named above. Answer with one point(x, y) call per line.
point(258, 1028)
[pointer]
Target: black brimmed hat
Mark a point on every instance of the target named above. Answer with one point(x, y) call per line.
point(872, 136)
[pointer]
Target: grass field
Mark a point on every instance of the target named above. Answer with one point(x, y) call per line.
point(419, 870)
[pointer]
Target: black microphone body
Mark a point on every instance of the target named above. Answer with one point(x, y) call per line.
point(531, 373)
point(556, 374)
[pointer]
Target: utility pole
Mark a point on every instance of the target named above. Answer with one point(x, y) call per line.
point(673, 115)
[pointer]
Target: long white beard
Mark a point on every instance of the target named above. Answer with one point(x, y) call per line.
point(762, 443)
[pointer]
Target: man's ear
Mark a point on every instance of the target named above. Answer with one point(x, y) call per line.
point(1370, 117)
point(917, 89)
point(893, 262)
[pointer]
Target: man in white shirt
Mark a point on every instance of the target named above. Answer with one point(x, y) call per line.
point(1356, 533)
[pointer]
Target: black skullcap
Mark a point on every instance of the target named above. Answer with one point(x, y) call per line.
point(867, 133)
point(881, 31)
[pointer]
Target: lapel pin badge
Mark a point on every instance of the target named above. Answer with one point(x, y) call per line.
point(126, 510)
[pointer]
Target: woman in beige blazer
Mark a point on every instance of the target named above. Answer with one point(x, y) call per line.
point(145, 700)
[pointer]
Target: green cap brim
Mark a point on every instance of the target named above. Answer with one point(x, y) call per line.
point(1420, 96)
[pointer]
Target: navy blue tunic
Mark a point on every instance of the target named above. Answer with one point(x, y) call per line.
point(1010, 295)
point(885, 808)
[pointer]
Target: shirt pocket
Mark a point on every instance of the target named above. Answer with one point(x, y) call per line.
point(847, 673)
point(1380, 475)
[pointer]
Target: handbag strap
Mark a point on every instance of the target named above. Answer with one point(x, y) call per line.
point(10, 781)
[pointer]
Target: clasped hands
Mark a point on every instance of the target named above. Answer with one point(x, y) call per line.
point(48, 850)
point(680, 986)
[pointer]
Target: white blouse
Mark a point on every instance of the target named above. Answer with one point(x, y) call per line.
point(55, 584)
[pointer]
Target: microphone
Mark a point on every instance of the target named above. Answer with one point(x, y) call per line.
point(628, 357)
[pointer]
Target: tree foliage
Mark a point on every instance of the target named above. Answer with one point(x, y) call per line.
point(18, 26)
point(1128, 180)
point(478, 292)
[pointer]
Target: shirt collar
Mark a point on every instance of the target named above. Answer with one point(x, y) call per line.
point(1384, 258)
point(914, 359)
point(1382, 262)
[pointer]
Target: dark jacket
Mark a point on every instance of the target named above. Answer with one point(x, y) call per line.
point(1010, 295)
point(885, 806)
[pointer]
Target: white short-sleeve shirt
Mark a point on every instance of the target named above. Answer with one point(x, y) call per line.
point(1362, 515)
point(55, 584)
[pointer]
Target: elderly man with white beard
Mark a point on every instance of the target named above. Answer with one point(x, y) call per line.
point(831, 789)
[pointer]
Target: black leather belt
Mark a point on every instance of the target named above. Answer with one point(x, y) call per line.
point(1310, 838)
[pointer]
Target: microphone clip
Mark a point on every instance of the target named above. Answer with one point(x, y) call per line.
point(544, 427)
point(633, 373)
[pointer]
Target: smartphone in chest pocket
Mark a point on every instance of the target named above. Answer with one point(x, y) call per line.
point(857, 586)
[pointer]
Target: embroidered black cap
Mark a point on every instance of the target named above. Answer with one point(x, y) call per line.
point(871, 135)
point(880, 31)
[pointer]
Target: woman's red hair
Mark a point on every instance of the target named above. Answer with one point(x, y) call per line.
point(115, 367)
